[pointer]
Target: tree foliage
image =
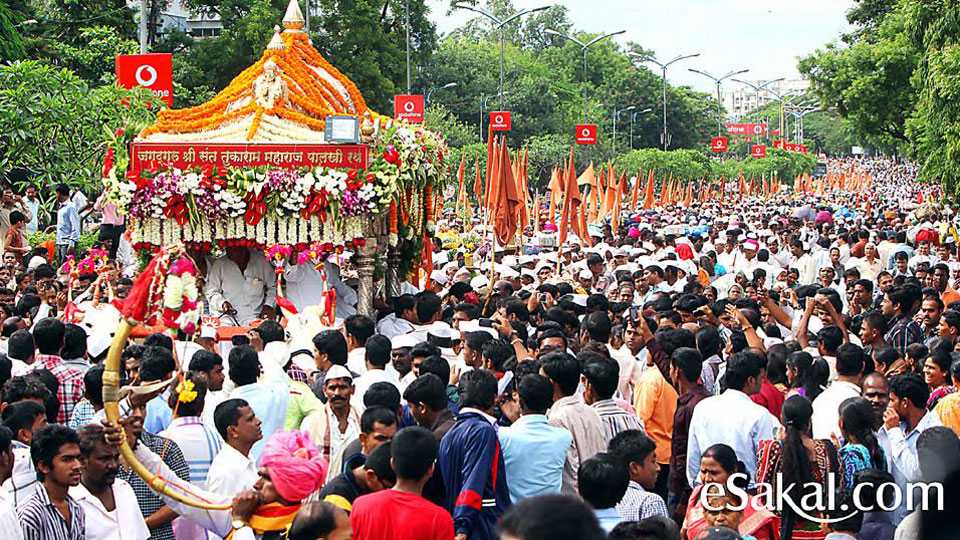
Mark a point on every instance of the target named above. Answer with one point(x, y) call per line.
point(52, 124)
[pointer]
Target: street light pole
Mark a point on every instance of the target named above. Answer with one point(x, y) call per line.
point(432, 90)
point(664, 137)
point(616, 118)
point(759, 88)
point(718, 80)
point(633, 118)
point(498, 25)
point(583, 49)
point(407, 10)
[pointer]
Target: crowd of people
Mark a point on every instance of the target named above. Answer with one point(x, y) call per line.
point(664, 380)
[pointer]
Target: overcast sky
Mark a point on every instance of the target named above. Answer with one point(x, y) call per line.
point(765, 36)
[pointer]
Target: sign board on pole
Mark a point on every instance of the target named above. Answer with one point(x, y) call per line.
point(758, 151)
point(500, 121)
point(749, 128)
point(153, 71)
point(408, 107)
point(586, 134)
point(719, 144)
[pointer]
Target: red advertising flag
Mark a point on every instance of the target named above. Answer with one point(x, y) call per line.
point(802, 149)
point(153, 71)
point(759, 151)
point(586, 134)
point(749, 128)
point(409, 107)
point(790, 147)
point(719, 144)
point(501, 121)
point(779, 143)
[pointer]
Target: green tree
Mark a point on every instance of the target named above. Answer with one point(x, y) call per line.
point(52, 124)
point(869, 81)
point(94, 59)
point(11, 44)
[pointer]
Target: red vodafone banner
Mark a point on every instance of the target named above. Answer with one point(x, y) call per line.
point(500, 121)
point(779, 143)
point(152, 70)
point(719, 144)
point(758, 151)
point(802, 149)
point(409, 107)
point(586, 134)
point(749, 128)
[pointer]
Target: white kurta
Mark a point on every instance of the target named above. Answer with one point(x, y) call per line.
point(125, 522)
point(304, 287)
point(247, 291)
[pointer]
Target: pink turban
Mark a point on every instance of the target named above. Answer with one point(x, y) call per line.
point(296, 467)
point(633, 232)
point(684, 252)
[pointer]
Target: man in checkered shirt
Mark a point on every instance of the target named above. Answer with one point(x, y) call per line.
point(48, 334)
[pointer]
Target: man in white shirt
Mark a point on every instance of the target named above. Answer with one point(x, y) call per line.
point(731, 418)
point(403, 318)
point(232, 470)
point(377, 354)
point(826, 408)
point(9, 526)
point(241, 286)
point(357, 329)
point(337, 422)
point(23, 418)
point(109, 504)
point(904, 419)
point(305, 288)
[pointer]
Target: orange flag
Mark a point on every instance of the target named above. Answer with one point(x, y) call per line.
point(477, 184)
point(461, 192)
point(617, 203)
point(635, 196)
point(571, 202)
point(504, 198)
point(556, 192)
point(491, 156)
point(743, 185)
point(649, 200)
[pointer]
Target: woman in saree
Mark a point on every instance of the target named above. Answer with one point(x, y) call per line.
point(717, 464)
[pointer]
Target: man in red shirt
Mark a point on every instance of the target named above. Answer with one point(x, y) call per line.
point(402, 513)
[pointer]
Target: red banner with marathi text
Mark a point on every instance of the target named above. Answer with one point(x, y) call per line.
point(147, 155)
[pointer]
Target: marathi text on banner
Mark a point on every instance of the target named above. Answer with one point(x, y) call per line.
point(187, 155)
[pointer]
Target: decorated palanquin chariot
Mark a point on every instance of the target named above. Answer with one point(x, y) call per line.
point(288, 159)
point(287, 154)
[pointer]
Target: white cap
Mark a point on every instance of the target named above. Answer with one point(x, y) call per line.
point(585, 274)
point(36, 261)
point(479, 282)
point(403, 340)
point(337, 372)
point(439, 276)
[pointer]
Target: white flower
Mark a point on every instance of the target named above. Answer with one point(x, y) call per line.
point(173, 293)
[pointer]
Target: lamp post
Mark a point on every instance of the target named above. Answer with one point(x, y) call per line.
point(718, 80)
point(432, 90)
point(498, 25)
point(583, 49)
point(616, 118)
point(633, 118)
point(759, 88)
point(664, 137)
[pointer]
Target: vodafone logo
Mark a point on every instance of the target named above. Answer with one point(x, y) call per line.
point(146, 75)
point(586, 133)
point(153, 71)
point(500, 121)
point(409, 107)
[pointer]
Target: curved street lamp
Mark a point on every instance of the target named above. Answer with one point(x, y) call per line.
point(718, 80)
point(583, 49)
point(633, 118)
point(498, 25)
point(432, 90)
point(664, 137)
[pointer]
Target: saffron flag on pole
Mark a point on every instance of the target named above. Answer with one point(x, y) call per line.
point(504, 198)
point(649, 199)
point(571, 202)
point(635, 196)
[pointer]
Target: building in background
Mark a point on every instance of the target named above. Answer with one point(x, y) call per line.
point(740, 100)
point(177, 16)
